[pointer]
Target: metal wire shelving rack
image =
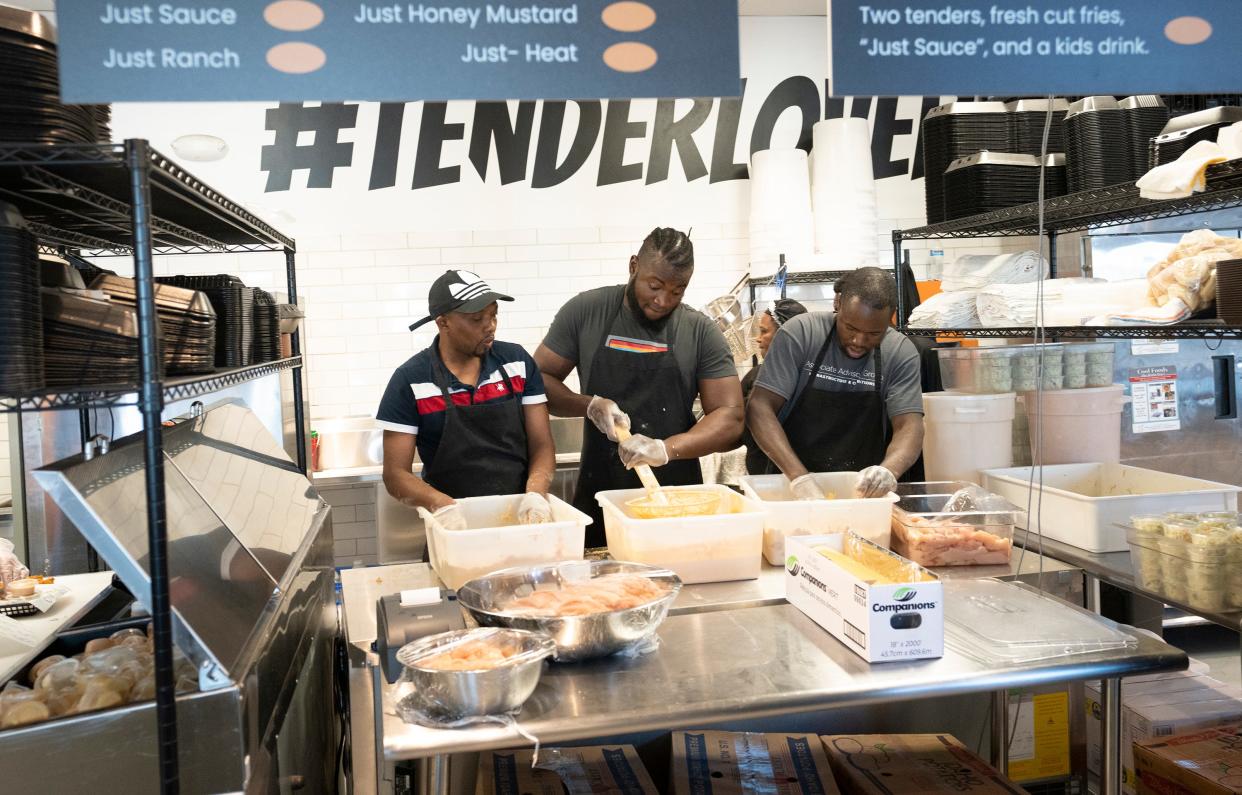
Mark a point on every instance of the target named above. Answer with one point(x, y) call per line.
point(1115, 205)
point(127, 199)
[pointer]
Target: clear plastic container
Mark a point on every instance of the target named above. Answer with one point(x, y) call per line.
point(928, 535)
point(725, 546)
point(976, 371)
point(1100, 357)
point(1188, 566)
point(494, 540)
point(1011, 623)
point(841, 512)
point(1026, 366)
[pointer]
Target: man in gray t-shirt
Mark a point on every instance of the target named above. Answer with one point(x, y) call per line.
point(818, 405)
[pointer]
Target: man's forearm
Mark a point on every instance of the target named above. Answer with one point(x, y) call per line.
point(542, 469)
point(563, 401)
point(770, 436)
point(413, 491)
point(904, 448)
point(717, 432)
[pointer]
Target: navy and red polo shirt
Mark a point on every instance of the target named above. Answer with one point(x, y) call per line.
point(412, 402)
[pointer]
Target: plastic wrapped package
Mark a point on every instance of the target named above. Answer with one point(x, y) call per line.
point(971, 528)
point(1188, 273)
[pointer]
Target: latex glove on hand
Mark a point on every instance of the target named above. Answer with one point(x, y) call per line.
point(607, 415)
point(641, 449)
point(875, 481)
point(450, 517)
point(804, 488)
point(534, 509)
point(10, 567)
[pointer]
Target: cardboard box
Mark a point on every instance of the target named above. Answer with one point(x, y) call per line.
point(742, 763)
point(911, 764)
point(880, 623)
point(1190, 704)
point(1204, 763)
point(589, 770)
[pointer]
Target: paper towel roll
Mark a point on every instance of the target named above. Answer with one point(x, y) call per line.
point(843, 192)
point(780, 184)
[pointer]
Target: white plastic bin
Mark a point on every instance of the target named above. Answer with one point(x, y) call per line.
point(964, 434)
point(495, 541)
point(785, 516)
point(723, 546)
point(1077, 425)
point(1086, 504)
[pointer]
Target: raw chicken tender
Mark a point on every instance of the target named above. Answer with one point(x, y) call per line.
point(948, 543)
point(473, 655)
point(600, 595)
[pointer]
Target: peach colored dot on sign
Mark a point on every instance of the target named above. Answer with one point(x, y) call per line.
point(630, 56)
point(1188, 30)
point(296, 57)
point(629, 16)
point(295, 15)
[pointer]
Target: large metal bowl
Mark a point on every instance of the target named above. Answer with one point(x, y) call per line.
point(577, 637)
point(452, 695)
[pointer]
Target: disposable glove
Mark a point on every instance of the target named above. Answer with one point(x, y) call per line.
point(10, 567)
point(804, 488)
point(641, 449)
point(875, 481)
point(607, 415)
point(450, 517)
point(534, 509)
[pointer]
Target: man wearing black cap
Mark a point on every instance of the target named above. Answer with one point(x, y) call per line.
point(473, 407)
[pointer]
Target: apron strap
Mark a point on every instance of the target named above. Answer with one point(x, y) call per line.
point(819, 359)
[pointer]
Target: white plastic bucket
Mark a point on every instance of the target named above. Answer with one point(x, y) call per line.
point(1077, 425)
point(964, 434)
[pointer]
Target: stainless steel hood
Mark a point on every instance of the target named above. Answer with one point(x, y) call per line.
point(237, 510)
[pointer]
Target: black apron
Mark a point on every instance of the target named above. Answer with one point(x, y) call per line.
point(832, 431)
point(757, 462)
point(648, 387)
point(483, 449)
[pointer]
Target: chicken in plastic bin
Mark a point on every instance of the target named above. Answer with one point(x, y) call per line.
point(10, 567)
point(1188, 273)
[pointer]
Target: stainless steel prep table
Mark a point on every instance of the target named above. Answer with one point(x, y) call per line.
point(716, 662)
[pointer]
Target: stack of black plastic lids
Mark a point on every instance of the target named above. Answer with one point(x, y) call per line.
point(187, 323)
point(953, 131)
point(1027, 118)
point(30, 107)
point(1183, 132)
point(21, 316)
point(1229, 291)
point(990, 181)
point(266, 347)
point(1096, 144)
point(87, 341)
point(1146, 117)
point(234, 305)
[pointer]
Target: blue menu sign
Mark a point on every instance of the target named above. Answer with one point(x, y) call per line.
point(1001, 47)
point(398, 51)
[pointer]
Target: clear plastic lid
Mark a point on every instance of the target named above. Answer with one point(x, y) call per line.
point(999, 622)
point(483, 649)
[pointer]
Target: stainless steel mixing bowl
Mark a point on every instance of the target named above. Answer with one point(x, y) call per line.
point(577, 637)
point(451, 695)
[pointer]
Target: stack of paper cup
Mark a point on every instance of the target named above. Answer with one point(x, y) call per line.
point(781, 221)
point(843, 194)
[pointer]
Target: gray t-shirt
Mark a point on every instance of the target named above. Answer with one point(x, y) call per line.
point(797, 343)
point(579, 326)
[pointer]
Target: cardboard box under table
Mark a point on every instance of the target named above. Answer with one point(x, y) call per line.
point(911, 764)
point(585, 770)
point(1204, 763)
point(746, 763)
point(880, 623)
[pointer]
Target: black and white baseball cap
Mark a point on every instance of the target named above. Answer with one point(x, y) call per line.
point(458, 291)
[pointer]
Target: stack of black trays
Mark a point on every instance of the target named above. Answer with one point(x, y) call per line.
point(995, 180)
point(187, 323)
point(87, 341)
point(266, 346)
point(1026, 126)
point(30, 107)
point(1096, 144)
point(21, 316)
point(953, 131)
point(1146, 118)
point(1183, 132)
point(234, 305)
point(1229, 291)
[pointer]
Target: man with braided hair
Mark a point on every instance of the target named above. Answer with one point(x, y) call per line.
point(642, 359)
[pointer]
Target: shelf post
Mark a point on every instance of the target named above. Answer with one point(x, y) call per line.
point(901, 301)
point(299, 414)
point(151, 406)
